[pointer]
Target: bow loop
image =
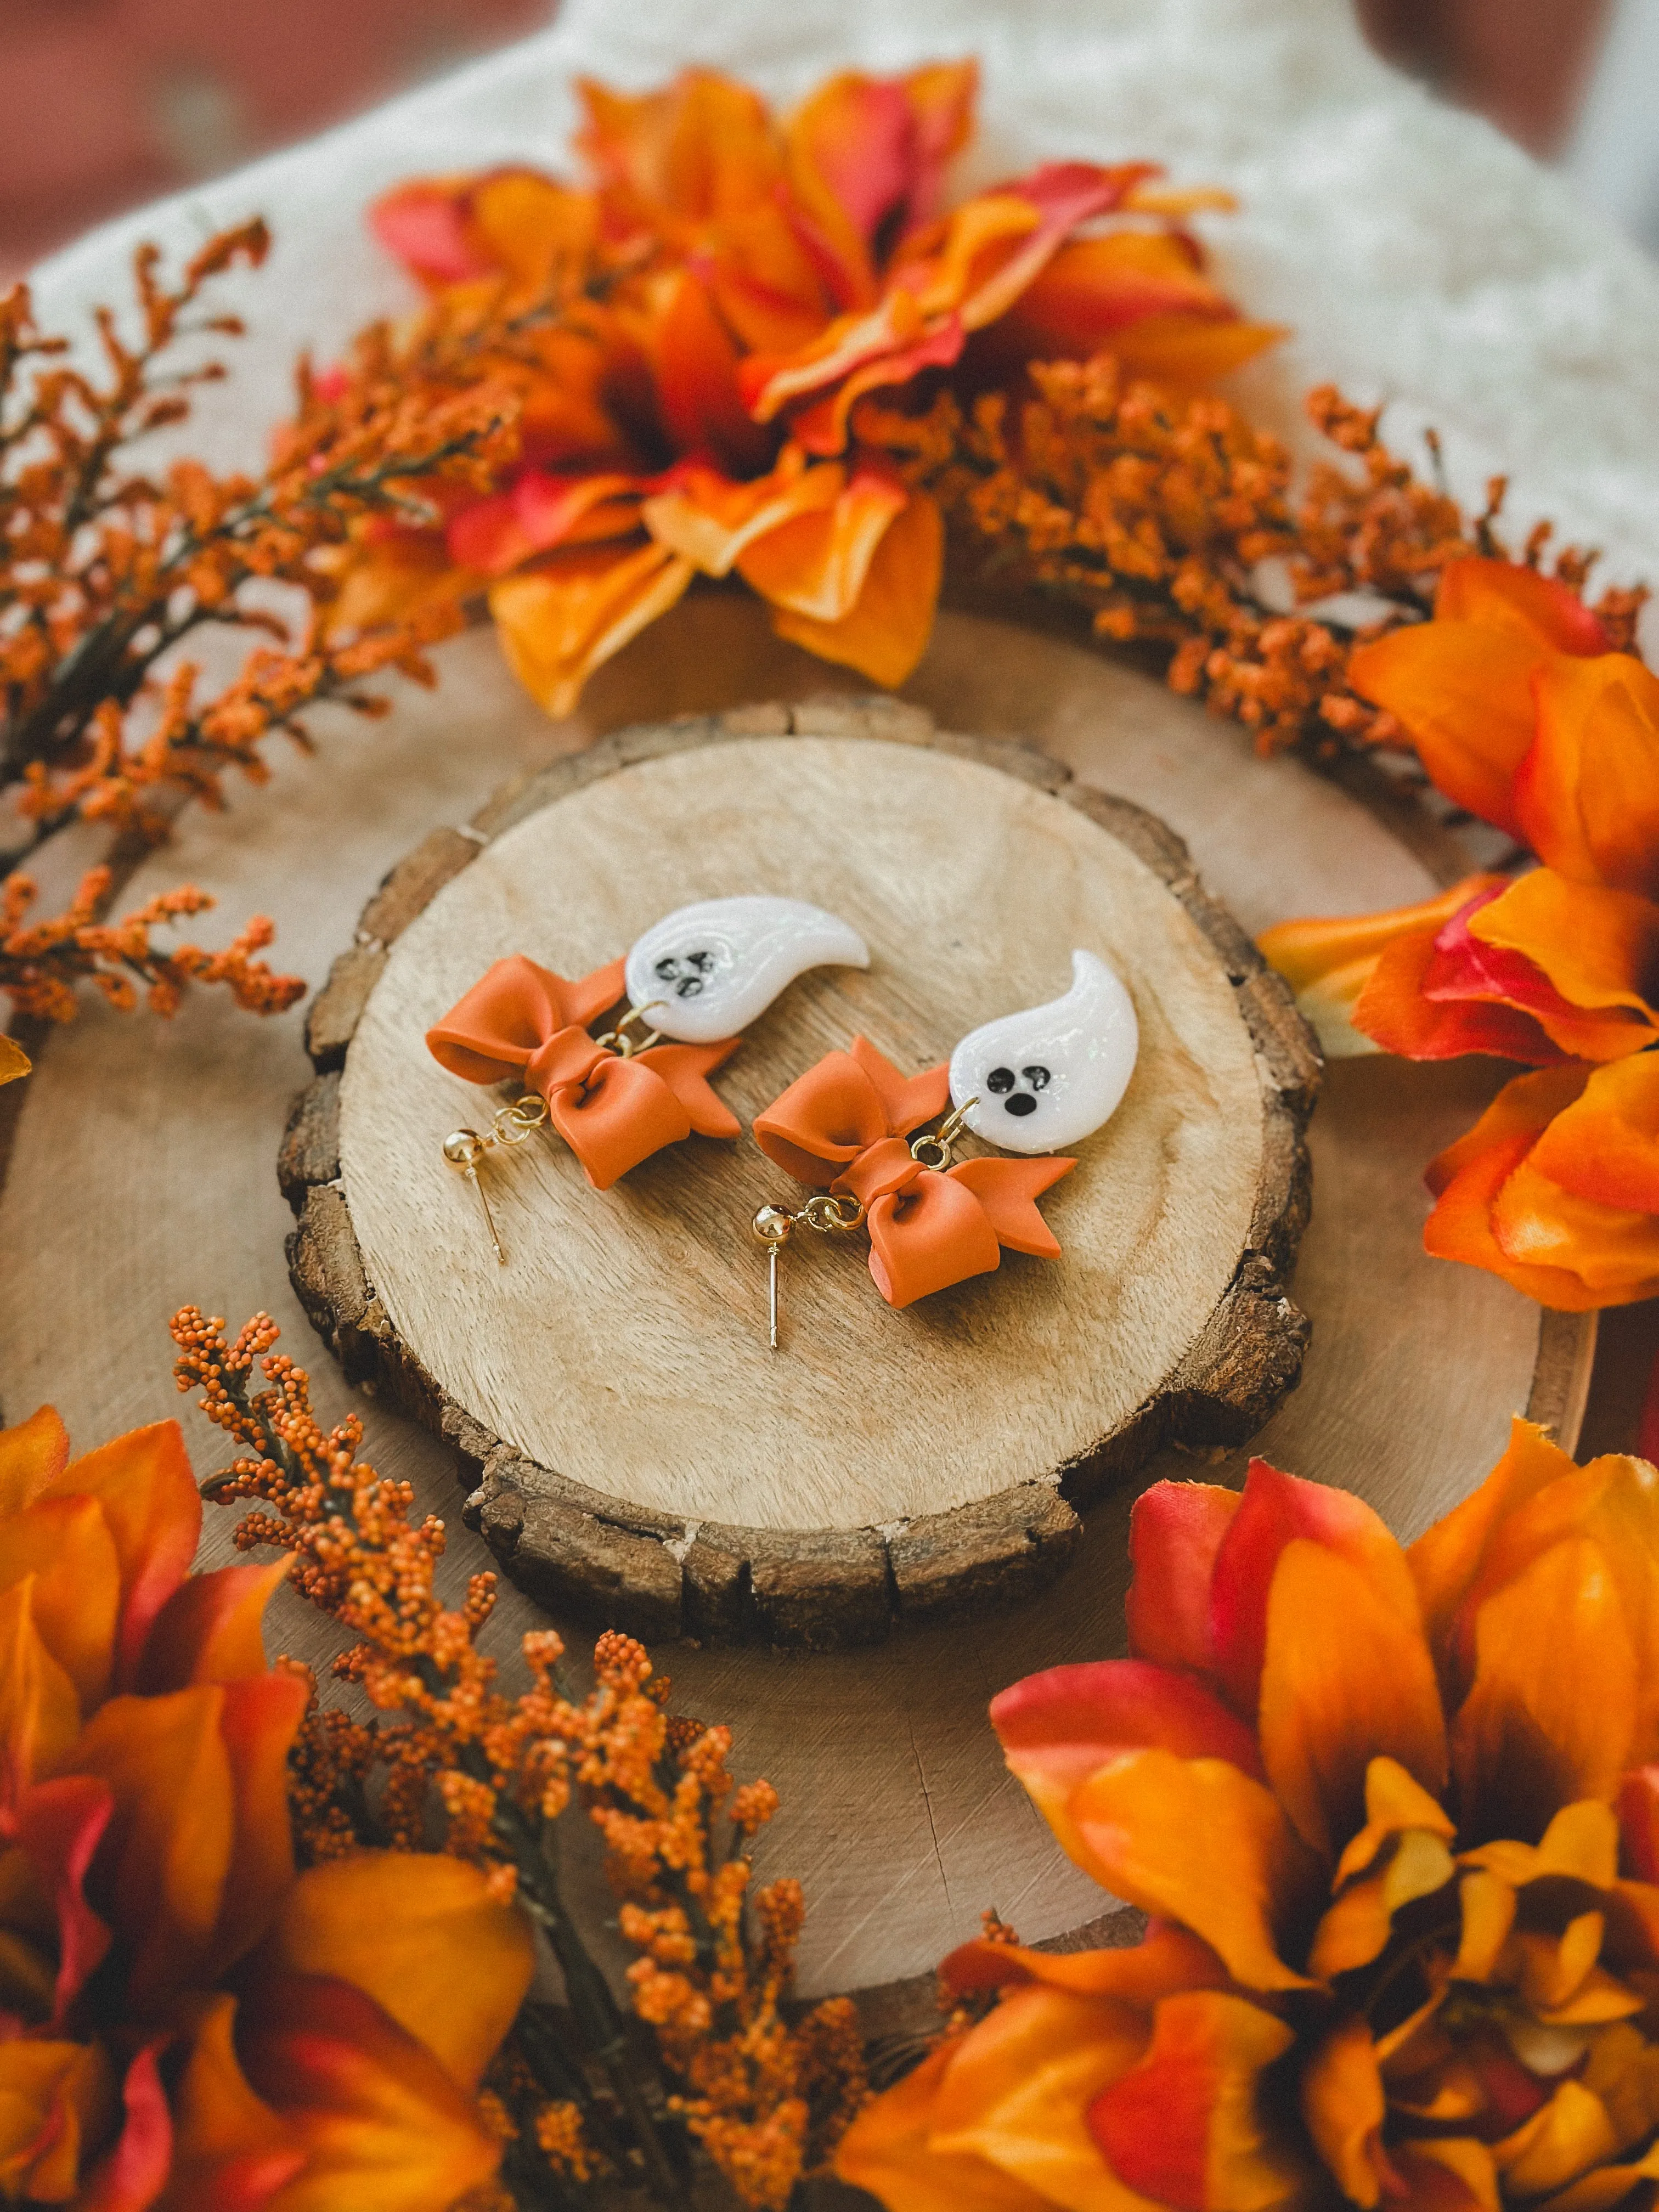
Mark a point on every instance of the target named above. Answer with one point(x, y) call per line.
point(842, 1107)
point(515, 1009)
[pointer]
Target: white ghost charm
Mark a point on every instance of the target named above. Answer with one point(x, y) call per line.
point(1043, 1079)
point(707, 971)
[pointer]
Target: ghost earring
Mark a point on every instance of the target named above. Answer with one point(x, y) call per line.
point(1049, 1075)
point(691, 982)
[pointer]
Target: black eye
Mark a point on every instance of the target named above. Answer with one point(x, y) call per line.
point(1022, 1103)
point(1037, 1077)
point(702, 961)
point(688, 987)
point(999, 1080)
point(666, 970)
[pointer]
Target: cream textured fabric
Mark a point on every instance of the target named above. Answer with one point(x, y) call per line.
point(1421, 259)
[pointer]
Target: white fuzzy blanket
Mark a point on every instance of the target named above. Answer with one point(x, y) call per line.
point(1421, 259)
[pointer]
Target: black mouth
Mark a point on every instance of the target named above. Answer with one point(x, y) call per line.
point(1022, 1102)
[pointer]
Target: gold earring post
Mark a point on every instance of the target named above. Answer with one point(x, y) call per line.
point(773, 1225)
point(463, 1149)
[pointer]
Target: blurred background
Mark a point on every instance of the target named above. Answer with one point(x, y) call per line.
point(109, 102)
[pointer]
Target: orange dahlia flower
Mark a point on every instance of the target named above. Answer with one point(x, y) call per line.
point(1395, 1816)
point(186, 2023)
point(735, 283)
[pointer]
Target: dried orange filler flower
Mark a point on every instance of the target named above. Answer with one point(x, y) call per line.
point(766, 2096)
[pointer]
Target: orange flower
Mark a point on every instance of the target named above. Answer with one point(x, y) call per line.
point(1556, 1187)
point(145, 1856)
point(1396, 1816)
point(727, 291)
point(1540, 969)
point(1461, 686)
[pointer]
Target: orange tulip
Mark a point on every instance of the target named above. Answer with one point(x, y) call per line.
point(1556, 1187)
point(1396, 1816)
point(1537, 968)
point(145, 1855)
point(740, 283)
point(1461, 686)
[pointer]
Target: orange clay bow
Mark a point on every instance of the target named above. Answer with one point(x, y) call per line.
point(612, 1109)
point(843, 1124)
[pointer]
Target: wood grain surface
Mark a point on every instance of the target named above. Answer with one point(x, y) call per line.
point(141, 1176)
point(641, 1451)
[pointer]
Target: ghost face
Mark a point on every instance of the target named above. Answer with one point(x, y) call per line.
point(707, 971)
point(1050, 1076)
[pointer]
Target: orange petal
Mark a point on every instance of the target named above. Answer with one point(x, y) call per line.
point(866, 157)
point(40, 1712)
point(1447, 1557)
point(208, 1631)
point(1615, 1502)
point(1476, 589)
point(56, 2102)
point(13, 1063)
point(697, 389)
point(380, 2122)
point(527, 224)
point(889, 2151)
point(1604, 1145)
point(1197, 1842)
point(1597, 947)
point(1571, 2133)
point(1356, 1927)
point(424, 223)
point(700, 148)
point(1429, 996)
point(32, 1456)
point(1638, 1822)
point(1176, 1530)
point(143, 1482)
point(542, 510)
point(710, 519)
point(1395, 1804)
point(57, 1826)
point(1018, 2089)
point(1612, 1251)
point(885, 633)
point(1587, 795)
point(1550, 1716)
point(1186, 2126)
point(1344, 1679)
point(1057, 1728)
point(1187, 353)
point(257, 1722)
point(1343, 2104)
point(64, 1544)
point(560, 621)
point(1165, 1960)
point(231, 2150)
point(1469, 1176)
point(421, 1934)
point(817, 563)
point(1328, 961)
point(1463, 692)
point(1274, 1509)
point(159, 1877)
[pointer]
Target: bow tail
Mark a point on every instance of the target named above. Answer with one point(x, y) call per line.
point(622, 1115)
point(685, 1068)
point(1007, 1192)
point(926, 1237)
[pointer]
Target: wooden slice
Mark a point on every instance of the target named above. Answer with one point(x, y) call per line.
point(643, 1455)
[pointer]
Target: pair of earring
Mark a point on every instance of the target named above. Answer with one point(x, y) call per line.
point(852, 1126)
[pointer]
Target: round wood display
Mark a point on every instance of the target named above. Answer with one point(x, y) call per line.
point(643, 1455)
point(141, 1176)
